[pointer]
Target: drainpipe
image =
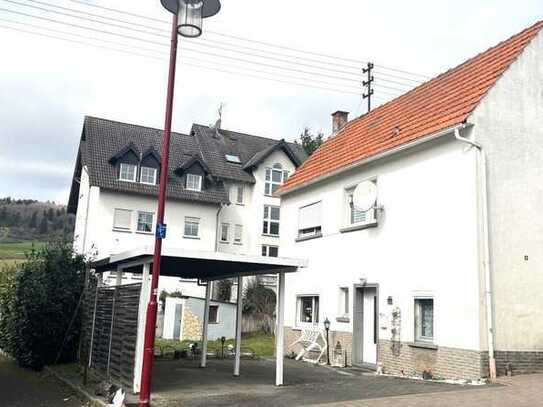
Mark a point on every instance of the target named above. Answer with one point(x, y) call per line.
point(485, 258)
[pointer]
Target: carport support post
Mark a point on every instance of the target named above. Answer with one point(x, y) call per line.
point(279, 330)
point(238, 327)
point(206, 323)
point(142, 316)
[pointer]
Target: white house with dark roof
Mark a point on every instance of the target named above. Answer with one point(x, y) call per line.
point(219, 197)
point(442, 275)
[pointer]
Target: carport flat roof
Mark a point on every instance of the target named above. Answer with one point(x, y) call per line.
point(203, 265)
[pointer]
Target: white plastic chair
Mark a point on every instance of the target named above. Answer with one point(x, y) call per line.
point(309, 341)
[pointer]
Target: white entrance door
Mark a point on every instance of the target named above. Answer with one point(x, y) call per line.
point(369, 326)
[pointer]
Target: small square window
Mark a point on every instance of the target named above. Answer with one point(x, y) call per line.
point(148, 175)
point(274, 178)
point(122, 219)
point(213, 314)
point(192, 227)
point(145, 222)
point(344, 301)
point(127, 172)
point(270, 251)
point(270, 224)
point(308, 309)
point(194, 182)
point(424, 319)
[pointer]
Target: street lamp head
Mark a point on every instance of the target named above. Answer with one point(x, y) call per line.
point(191, 13)
point(327, 324)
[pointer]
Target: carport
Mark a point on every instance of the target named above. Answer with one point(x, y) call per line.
point(205, 267)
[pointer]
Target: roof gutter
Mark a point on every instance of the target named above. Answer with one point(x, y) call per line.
point(484, 264)
point(375, 157)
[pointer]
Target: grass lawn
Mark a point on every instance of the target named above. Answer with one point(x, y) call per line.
point(17, 250)
point(263, 345)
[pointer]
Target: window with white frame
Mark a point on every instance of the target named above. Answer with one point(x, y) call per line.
point(238, 234)
point(309, 220)
point(308, 309)
point(213, 314)
point(271, 220)
point(275, 177)
point(424, 319)
point(343, 301)
point(127, 172)
point(145, 222)
point(239, 194)
point(194, 182)
point(192, 227)
point(270, 251)
point(354, 215)
point(225, 232)
point(122, 219)
point(148, 175)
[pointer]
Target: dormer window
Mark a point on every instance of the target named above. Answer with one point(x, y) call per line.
point(194, 182)
point(127, 172)
point(148, 175)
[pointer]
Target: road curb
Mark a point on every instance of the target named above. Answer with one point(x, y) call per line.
point(94, 402)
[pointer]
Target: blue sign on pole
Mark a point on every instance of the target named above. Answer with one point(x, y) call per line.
point(161, 231)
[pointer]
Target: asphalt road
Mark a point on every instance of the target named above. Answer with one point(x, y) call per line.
point(26, 388)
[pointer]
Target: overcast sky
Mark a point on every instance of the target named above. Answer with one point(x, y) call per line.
point(47, 86)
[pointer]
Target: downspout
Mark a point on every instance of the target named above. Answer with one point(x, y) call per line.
point(485, 258)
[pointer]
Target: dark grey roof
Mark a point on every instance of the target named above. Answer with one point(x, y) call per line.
point(215, 144)
point(103, 140)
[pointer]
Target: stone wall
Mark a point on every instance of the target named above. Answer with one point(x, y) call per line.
point(192, 325)
point(449, 363)
point(518, 362)
point(344, 338)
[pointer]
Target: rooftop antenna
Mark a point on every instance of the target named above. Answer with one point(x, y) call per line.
point(368, 84)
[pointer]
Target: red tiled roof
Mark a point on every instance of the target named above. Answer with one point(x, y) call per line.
point(440, 103)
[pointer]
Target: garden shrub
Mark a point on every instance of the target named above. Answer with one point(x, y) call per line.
point(38, 299)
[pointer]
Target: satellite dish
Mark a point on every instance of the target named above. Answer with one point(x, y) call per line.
point(364, 196)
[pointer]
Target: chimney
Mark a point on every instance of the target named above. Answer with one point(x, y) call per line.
point(339, 120)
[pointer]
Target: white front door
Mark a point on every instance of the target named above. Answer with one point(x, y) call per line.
point(369, 326)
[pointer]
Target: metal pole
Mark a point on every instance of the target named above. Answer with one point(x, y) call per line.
point(149, 344)
point(205, 327)
point(327, 347)
point(239, 310)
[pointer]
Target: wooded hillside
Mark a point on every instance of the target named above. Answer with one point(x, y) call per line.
point(27, 219)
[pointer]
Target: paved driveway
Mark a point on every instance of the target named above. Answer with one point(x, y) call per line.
point(26, 388)
point(183, 383)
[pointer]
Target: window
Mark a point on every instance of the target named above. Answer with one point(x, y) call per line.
point(148, 175)
point(424, 319)
point(231, 158)
point(145, 222)
point(343, 301)
point(194, 182)
point(356, 216)
point(122, 219)
point(308, 309)
point(239, 194)
point(270, 251)
point(238, 234)
point(127, 172)
point(213, 314)
point(271, 220)
point(192, 227)
point(274, 179)
point(309, 220)
point(224, 232)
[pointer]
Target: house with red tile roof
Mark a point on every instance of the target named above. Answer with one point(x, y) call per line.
point(440, 275)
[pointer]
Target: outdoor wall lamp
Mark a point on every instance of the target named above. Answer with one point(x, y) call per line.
point(327, 328)
point(187, 22)
point(190, 14)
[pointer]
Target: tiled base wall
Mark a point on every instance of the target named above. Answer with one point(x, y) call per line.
point(345, 340)
point(449, 363)
point(519, 362)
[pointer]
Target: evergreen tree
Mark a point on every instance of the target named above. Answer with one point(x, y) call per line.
point(309, 141)
point(33, 220)
point(44, 227)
